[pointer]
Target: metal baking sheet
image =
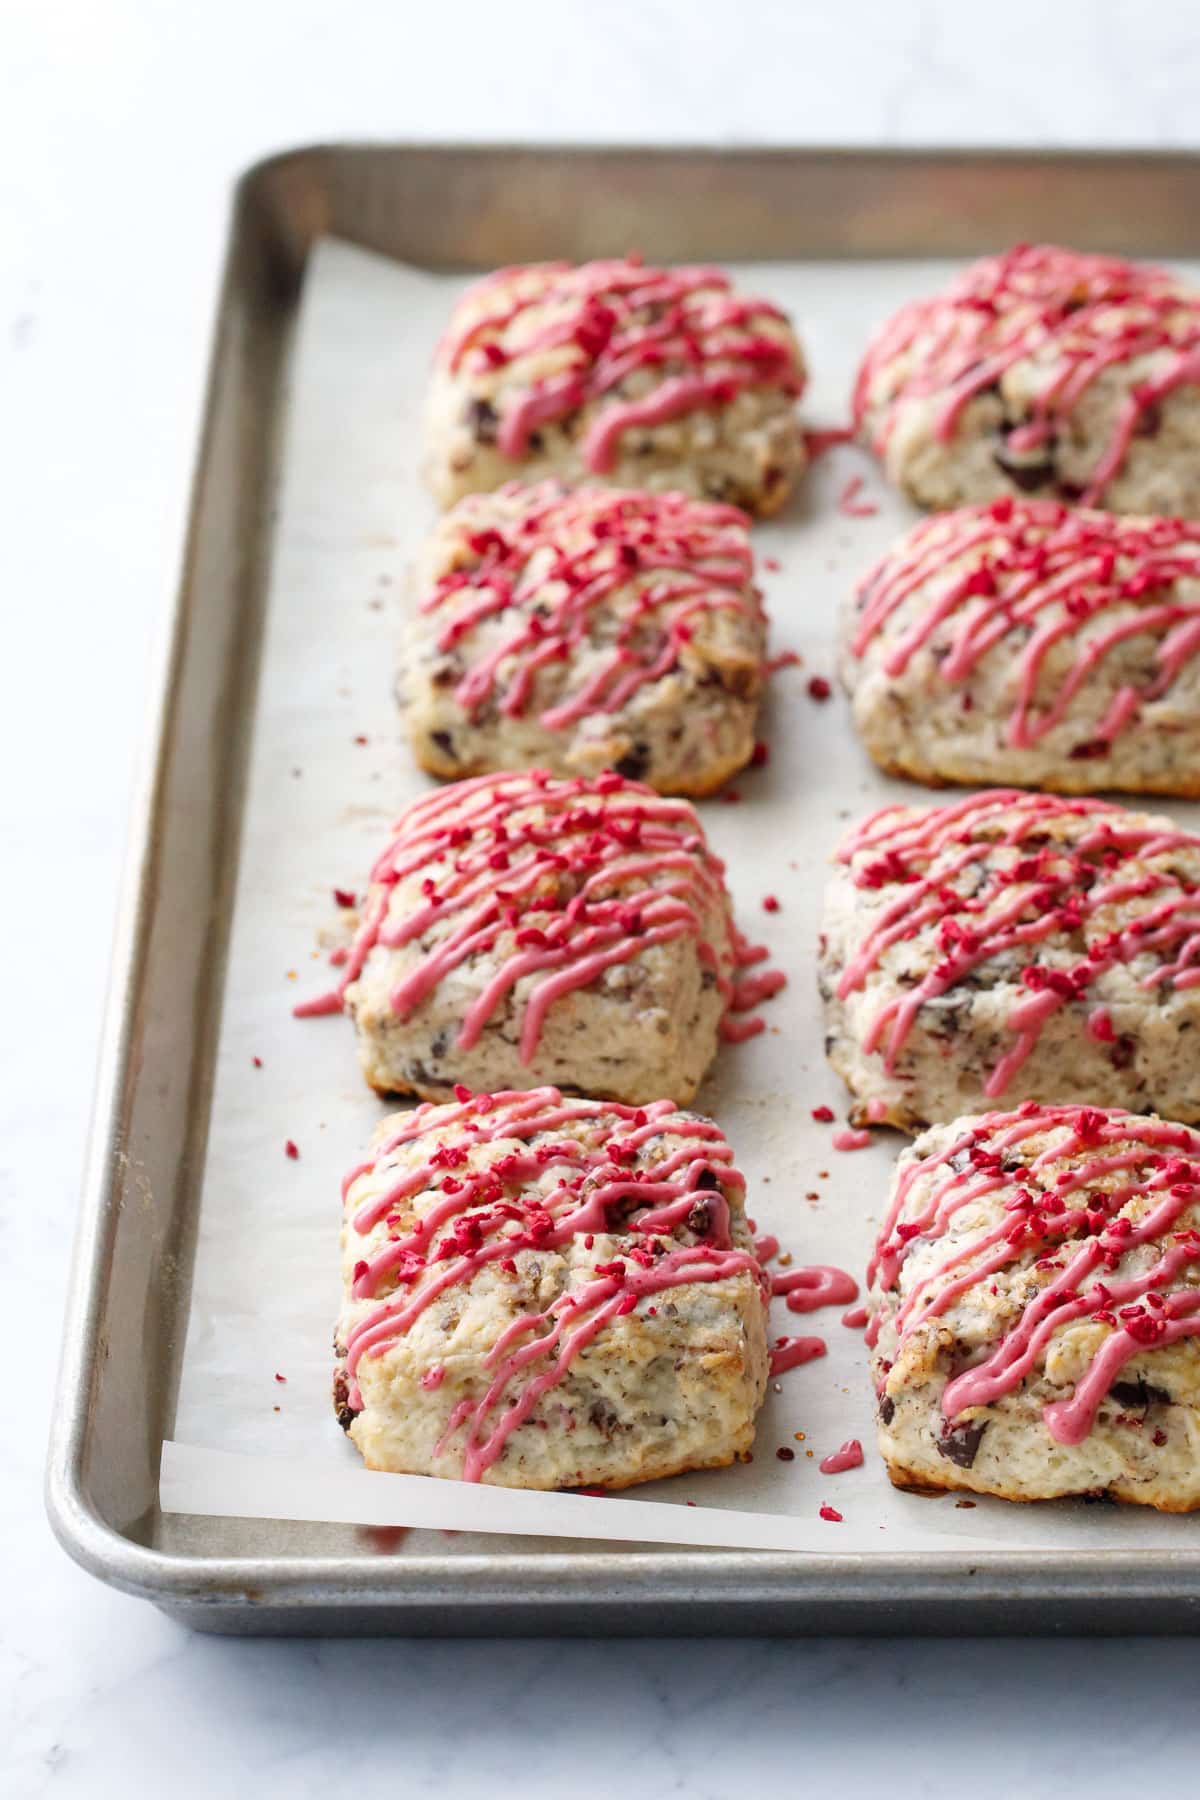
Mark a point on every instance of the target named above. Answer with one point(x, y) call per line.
point(129, 1310)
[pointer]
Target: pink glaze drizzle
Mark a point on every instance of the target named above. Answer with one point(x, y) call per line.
point(614, 320)
point(545, 571)
point(818, 443)
point(1040, 575)
point(856, 1318)
point(792, 1352)
point(1080, 1247)
point(1072, 316)
point(567, 877)
point(487, 1212)
point(850, 502)
point(850, 1456)
point(851, 1140)
point(817, 1285)
point(1047, 887)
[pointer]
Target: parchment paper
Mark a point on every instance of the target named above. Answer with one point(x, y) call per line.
point(352, 509)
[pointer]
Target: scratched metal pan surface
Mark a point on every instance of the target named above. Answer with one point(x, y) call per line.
point(453, 208)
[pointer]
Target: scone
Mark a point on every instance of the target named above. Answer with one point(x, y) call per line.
point(1027, 642)
point(1013, 947)
point(610, 371)
point(585, 630)
point(520, 930)
point(1045, 372)
point(543, 1292)
point(1035, 1300)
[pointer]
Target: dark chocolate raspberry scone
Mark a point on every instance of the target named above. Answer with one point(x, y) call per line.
point(1035, 1301)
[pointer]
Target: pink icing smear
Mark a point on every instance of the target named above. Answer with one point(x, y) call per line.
point(850, 502)
point(560, 880)
point(1044, 577)
point(818, 443)
point(850, 1456)
point(486, 1208)
point(1068, 317)
point(542, 574)
point(1009, 874)
point(819, 1284)
point(612, 323)
point(1131, 1273)
point(851, 1140)
point(793, 1352)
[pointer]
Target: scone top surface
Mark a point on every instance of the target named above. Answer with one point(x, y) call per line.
point(1036, 1304)
point(1014, 945)
point(579, 630)
point(613, 370)
point(544, 1291)
point(521, 929)
point(1028, 641)
point(1042, 369)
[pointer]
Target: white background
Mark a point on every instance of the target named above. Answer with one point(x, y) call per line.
point(121, 127)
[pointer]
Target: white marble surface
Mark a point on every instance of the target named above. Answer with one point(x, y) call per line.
point(121, 125)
